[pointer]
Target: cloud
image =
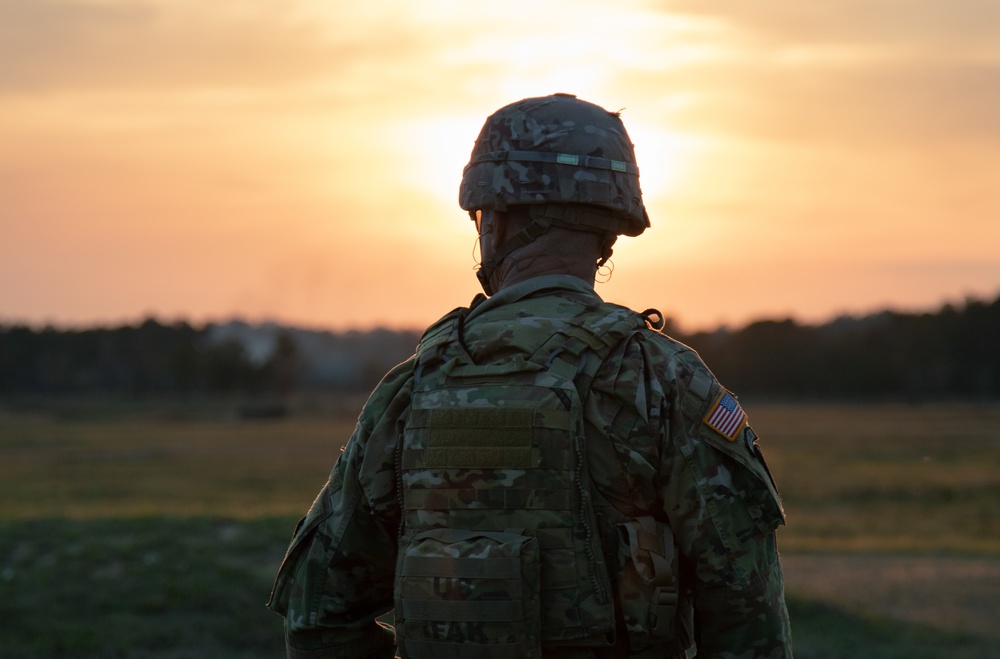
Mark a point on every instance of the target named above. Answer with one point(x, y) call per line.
point(922, 24)
point(60, 44)
point(873, 71)
point(875, 105)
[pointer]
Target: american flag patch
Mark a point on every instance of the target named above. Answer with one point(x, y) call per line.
point(726, 417)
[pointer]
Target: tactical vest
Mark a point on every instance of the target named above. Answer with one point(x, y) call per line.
point(500, 547)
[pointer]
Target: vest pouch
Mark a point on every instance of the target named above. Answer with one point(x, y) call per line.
point(647, 582)
point(468, 594)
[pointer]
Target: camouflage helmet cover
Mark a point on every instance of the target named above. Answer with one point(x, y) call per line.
point(555, 150)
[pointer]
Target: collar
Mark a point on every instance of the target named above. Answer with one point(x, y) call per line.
point(532, 287)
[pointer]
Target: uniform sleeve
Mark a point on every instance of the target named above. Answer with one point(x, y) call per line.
point(337, 575)
point(724, 509)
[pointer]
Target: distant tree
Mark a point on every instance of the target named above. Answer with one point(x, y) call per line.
point(950, 353)
point(284, 366)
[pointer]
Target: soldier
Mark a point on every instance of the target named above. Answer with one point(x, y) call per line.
point(549, 475)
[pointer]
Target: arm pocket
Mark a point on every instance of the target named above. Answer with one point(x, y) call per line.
point(647, 582)
point(305, 560)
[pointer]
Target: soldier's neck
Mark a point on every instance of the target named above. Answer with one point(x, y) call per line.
point(521, 269)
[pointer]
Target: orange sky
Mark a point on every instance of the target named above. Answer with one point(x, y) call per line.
point(299, 160)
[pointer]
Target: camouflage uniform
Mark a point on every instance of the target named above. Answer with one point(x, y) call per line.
point(649, 408)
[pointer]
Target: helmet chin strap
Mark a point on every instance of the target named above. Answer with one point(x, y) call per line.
point(526, 235)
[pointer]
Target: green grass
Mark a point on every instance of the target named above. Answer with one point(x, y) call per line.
point(822, 631)
point(143, 587)
point(151, 534)
point(129, 468)
point(904, 478)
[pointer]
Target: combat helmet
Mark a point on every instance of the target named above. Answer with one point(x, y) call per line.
point(552, 151)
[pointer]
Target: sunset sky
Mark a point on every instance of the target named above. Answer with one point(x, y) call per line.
point(299, 160)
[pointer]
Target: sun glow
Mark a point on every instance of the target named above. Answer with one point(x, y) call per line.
point(301, 160)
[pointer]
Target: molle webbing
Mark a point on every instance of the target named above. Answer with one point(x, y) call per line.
point(499, 448)
point(485, 438)
point(518, 464)
point(465, 590)
point(446, 650)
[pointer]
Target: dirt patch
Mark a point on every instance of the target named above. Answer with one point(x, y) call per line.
point(959, 594)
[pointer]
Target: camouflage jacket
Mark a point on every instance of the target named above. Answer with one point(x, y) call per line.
point(688, 455)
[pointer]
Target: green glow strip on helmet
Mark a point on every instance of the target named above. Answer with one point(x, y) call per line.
point(587, 162)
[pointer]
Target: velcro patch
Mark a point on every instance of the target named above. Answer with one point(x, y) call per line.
point(726, 417)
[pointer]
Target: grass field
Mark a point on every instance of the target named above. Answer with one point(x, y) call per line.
point(151, 531)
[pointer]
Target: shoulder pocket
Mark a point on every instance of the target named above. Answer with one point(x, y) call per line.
point(753, 480)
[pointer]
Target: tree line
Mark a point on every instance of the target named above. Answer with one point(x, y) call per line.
point(950, 353)
point(156, 358)
point(953, 353)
